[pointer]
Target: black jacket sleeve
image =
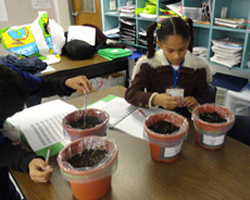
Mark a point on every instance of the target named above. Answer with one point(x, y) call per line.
point(14, 157)
point(53, 86)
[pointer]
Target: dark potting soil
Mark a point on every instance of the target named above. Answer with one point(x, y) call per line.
point(163, 127)
point(90, 123)
point(88, 158)
point(212, 117)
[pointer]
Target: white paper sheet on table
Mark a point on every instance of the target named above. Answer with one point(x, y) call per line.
point(125, 116)
point(42, 124)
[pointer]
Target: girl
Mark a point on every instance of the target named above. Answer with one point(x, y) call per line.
point(172, 77)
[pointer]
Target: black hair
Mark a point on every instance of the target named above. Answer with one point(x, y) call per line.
point(169, 26)
point(13, 92)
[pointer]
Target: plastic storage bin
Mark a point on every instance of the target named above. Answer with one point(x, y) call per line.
point(108, 81)
point(192, 13)
point(239, 102)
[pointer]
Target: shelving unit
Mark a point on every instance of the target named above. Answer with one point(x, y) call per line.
point(203, 34)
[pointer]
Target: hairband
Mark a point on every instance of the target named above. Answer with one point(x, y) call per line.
point(184, 18)
point(159, 26)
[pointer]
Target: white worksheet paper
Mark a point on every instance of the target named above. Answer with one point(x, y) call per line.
point(42, 124)
point(125, 116)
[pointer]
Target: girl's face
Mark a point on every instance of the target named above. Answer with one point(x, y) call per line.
point(174, 48)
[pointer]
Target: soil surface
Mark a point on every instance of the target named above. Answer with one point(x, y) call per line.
point(90, 123)
point(163, 127)
point(88, 158)
point(212, 117)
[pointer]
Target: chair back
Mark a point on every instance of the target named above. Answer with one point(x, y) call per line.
point(211, 93)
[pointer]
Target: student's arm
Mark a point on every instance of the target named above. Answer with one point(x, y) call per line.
point(135, 94)
point(62, 86)
point(13, 157)
point(51, 86)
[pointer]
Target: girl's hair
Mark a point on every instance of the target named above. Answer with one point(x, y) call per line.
point(167, 27)
point(13, 92)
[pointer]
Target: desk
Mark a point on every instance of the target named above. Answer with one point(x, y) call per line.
point(198, 173)
point(91, 68)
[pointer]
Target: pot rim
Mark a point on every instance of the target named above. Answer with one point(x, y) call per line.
point(90, 171)
point(160, 137)
point(218, 125)
point(67, 127)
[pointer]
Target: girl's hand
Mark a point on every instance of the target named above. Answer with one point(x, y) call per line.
point(189, 102)
point(39, 170)
point(80, 83)
point(166, 101)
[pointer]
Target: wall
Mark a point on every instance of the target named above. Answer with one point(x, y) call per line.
point(62, 11)
point(21, 12)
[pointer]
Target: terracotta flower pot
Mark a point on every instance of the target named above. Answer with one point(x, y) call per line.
point(166, 148)
point(89, 182)
point(211, 135)
point(76, 133)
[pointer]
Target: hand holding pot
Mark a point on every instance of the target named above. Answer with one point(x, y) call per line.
point(40, 171)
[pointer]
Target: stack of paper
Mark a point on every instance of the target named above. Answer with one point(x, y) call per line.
point(232, 23)
point(112, 33)
point(127, 11)
point(200, 51)
point(227, 51)
point(128, 30)
point(142, 37)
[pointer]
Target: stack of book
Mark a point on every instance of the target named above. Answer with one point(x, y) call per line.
point(127, 11)
point(127, 30)
point(227, 51)
point(200, 51)
point(142, 37)
point(112, 33)
point(232, 23)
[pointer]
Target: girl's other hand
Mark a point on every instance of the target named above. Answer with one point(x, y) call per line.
point(189, 102)
point(166, 101)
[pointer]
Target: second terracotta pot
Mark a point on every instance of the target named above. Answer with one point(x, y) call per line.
point(166, 148)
